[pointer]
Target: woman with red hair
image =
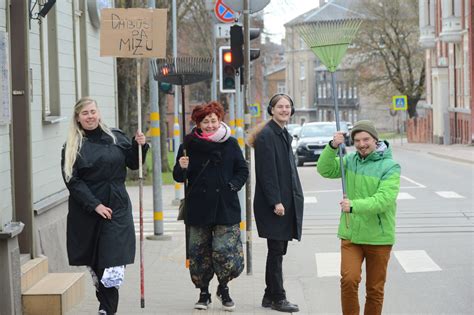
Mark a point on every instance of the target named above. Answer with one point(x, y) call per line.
point(216, 170)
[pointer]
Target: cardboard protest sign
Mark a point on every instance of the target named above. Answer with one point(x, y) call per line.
point(133, 33)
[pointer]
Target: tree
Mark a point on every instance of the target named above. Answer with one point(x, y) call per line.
point(387, 51)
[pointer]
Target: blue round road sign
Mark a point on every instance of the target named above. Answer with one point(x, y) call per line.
point(223, 12)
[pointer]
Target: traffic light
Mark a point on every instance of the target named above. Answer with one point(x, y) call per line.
point(166, 88)
point(236, 45)
point(254, 52)
point(226, 70)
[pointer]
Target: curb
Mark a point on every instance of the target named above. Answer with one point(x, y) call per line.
point(451, 158)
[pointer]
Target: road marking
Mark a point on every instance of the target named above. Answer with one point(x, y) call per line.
point(416, 261)
point(404, 195)
point(310, 199)
point(311, 192)
point(449, 194)
point(417, 185)
point(328, 264)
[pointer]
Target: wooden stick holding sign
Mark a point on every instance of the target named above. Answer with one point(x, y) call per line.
point(135, 33)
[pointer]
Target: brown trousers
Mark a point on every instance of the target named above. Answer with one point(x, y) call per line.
point(376, 261)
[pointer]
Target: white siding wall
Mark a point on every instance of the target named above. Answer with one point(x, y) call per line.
point(5, 163)
point(47, 139)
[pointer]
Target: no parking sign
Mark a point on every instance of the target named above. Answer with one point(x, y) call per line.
point(223, 12)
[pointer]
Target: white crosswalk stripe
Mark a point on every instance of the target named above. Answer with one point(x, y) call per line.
point(416, 261)
point(310, 199)
point(404, 195)
point(328, 264)
point(448, 194)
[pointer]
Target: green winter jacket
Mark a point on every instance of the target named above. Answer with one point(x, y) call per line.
point(372, 186)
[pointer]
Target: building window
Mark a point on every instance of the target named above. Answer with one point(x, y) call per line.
point(302, 71)
point(4, 79)
point(349, 91)
point(320, 91)
point(50, 67)
point(281, 87)
point(303, 100)
point(302, 44)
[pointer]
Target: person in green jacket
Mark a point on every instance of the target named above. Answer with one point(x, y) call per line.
point(367, 223)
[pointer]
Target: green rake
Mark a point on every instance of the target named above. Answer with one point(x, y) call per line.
point(329, 41)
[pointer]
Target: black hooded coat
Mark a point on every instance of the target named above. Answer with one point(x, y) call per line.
point(212, 197)
point(99, 178)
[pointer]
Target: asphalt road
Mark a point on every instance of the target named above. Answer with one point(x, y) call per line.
point(431, 270)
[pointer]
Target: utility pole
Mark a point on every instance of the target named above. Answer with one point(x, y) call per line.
point(176, 129)
point(158, 229)
point(248, 187)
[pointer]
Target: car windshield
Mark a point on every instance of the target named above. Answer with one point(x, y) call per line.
point(291, 128)
point(325, 130)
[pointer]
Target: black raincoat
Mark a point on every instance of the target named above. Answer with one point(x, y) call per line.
point(99, 178)
point(277, 181)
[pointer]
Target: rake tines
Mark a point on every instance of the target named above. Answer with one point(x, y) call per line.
point(329, 39)
point(182, 70)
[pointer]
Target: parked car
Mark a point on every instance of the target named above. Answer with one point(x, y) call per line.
point(312, 139)
point(292, 127)
point(295, 133)
point(346, 127)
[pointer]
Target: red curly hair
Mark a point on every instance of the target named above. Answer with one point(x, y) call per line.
point(201, 111)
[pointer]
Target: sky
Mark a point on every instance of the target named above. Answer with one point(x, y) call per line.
point(279, 12)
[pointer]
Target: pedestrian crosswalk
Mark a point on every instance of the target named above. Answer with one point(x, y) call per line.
point(310, 196)
point(411, 261)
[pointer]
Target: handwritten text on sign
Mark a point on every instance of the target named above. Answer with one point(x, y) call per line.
point(133, 33)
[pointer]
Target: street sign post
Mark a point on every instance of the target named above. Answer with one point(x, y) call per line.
point(223, 13)
point(254, 110)
point(222, 30)
point(399, 102)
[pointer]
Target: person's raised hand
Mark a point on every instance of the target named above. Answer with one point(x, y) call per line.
point(140, 138)
point(338, 139)
point(184, 161)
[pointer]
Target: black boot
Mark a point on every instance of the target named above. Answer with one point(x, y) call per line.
point(204, 300)
point(285, 306)
point(224, 297)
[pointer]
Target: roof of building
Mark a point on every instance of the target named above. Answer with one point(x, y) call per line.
point(333, 10)
point(275, 70)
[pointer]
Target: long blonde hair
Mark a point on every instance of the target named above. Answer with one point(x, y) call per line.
point(75, 136)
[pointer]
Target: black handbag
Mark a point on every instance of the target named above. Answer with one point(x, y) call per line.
point(182, 202)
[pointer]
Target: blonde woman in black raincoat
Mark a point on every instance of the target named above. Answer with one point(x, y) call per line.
point(100, 230)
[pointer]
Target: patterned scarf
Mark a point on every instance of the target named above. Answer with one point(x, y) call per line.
point(221, 135)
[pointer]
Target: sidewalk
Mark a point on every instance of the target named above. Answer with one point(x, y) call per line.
point(455, 152)
point(168, 287)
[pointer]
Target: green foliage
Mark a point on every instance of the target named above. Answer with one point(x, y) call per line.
point(167, 177)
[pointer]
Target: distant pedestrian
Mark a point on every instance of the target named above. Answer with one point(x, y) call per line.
point(278, 202)
point(372, 184)
point(100, 230)
point(216, 170)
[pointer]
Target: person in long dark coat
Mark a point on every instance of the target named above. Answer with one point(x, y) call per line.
point(278, 203)
point(100, 230)
point(216, 170)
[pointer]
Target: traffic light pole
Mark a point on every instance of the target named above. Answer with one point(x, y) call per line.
point(176, 129)
point(248, 187)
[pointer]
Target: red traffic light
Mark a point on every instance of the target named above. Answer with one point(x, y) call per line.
point(228, 57)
